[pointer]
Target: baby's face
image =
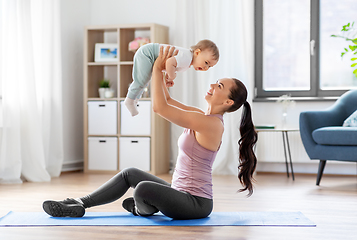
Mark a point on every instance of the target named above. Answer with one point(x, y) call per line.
point(203, 60)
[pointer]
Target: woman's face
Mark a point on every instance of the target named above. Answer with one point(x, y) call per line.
point(219, 92)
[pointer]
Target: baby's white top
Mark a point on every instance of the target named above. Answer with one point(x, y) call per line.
point(183, 58)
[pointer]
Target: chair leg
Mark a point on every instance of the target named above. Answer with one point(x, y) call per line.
point(320, 172)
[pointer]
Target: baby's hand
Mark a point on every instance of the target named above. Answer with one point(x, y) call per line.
point(169, 82)
point(170, 78)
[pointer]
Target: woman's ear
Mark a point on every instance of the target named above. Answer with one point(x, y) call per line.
point(229, 102)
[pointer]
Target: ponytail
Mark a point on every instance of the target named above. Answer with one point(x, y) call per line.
point(247, 158)
point(249, 137)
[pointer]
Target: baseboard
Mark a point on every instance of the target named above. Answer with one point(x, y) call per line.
point(72, 166)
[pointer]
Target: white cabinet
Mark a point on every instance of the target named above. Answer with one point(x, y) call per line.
point(102, 117)
point(134, 152)
point(138, 125)
point(103, 153)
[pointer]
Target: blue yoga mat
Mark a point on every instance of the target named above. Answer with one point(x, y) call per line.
point(292, 219)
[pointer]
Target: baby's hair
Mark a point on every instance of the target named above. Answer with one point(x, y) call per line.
point(207, 44)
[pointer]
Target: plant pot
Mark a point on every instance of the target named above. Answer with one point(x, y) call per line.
point(102, 92)
point(109, 93)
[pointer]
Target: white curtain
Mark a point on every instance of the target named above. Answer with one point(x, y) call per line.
point(230, 24)
point(30, 67)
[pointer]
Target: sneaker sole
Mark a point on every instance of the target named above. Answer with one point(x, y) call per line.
point(57, 209)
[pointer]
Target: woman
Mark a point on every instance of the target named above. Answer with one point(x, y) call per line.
point(190, 195)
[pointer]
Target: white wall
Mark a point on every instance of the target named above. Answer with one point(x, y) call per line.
point(74, 16)
point(271, 112)
point(134, 11)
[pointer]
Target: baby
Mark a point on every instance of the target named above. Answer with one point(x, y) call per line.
point(201, 56)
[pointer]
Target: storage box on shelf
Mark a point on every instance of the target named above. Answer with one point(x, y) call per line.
point(103, 153)
point(139, 125)
point(131, 157)
point(102, 118)
point(113, 138)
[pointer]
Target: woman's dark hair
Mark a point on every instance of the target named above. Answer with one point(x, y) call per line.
point(249, 137)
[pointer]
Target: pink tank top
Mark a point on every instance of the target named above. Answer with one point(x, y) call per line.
point(193, 171)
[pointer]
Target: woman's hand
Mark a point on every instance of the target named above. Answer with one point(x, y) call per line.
point(163, 56)
point(158, 88)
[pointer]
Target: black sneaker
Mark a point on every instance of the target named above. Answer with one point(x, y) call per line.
point(65, 208)
point(129, 205)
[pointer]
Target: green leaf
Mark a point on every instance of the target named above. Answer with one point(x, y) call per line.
point(346, 49)
point(354, 41)
point(104, 83)
point(353, 59)
point(352, 47)
point(353, 64)
point(346, 28)
point(343, 54)
point(339, 36)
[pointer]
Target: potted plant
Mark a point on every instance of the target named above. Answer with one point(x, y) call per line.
point(104, 85)
point(349, 33)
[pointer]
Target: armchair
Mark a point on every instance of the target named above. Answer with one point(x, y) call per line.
point(324, 137)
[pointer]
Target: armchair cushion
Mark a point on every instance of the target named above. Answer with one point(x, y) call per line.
point(342, 136)
point(351, 121)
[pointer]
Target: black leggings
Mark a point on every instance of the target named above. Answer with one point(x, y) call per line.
point(151, 194)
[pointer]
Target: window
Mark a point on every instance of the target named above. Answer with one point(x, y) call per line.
point(294, 51)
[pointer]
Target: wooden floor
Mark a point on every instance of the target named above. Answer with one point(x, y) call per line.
point(332, 206)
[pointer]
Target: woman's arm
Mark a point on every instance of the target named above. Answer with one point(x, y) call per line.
point(178, 104)
point(172, 110)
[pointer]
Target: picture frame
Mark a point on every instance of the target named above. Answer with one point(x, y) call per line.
point(106, 52)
